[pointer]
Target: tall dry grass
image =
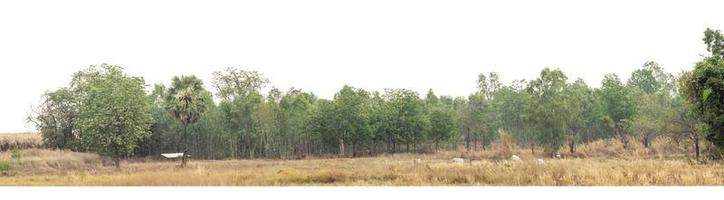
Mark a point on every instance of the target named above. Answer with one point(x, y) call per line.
point(43, 161)
point(9, 141)
point(604, 162)
point(402, 169)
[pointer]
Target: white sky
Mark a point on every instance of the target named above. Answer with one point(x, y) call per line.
point(320, 45)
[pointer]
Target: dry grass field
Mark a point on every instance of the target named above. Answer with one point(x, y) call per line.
point(608, 167)
point(10, 141)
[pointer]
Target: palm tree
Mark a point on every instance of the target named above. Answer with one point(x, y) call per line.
point(187, 101)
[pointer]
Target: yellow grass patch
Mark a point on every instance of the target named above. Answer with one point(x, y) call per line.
point(399, 169)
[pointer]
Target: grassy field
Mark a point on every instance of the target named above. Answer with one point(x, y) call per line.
point(10, 141)
point(45, 167)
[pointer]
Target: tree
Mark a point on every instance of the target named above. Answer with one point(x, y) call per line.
point(551, 112)
point(350, 111)
point(484, 120)
point(113, 113)
point(441, 125)
point(714, 41)
point(653, 90)
point(240, 99)
point(578, 95)
point(234, 82)
point(407, 117)
point(441, 119)
point(56, 119)
point(619, 106)
point(297, 108)
point(684, 121)
point(513, 103)
point(187, 101)
point(704, 89)
point(164, 127)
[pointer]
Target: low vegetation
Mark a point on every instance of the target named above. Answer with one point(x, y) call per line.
point(626, 167)
point(10, 141)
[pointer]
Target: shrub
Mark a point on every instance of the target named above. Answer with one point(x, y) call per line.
point(17, 154)
point(5, 167)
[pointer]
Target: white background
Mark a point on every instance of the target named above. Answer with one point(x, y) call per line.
point(320, 45)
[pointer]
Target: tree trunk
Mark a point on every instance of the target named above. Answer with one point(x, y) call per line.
point(532, 148)
point(117, 158)
point(354, 150)
point(467, 140)
point(696, 146)
point(183, 158)
point(341, 147)
point(572, 146)
point(647, 140)
point(182, 139)
point(117, 161)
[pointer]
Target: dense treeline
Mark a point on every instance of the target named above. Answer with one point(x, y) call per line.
point(106, 111)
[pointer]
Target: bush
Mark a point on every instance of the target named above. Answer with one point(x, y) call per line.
point(17, 154)
point(5, 167)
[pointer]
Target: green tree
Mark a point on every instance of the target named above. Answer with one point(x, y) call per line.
point(513, 103)
point(297, 108)
point(704, 89)
point(114, 113)
point(240, 96)
point(407, 117)
point(234, 82)
point(619, 106)
point(683, 120)
point(187, 101)
point(552, 112)
point(653, 90)
point(578, 95)
point(714, 41)
point(441, 125)
point(56, 119)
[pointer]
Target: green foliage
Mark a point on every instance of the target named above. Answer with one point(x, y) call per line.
point(704, 88)
point(350, 116)
point(16, 154)
point(55, 119)
point(407, 119)
point(653, 90)
point(552, 113)
point(619, 106)
point(579, 97)
point(187, 101)
point(106, 111)
point(114, 113)
point(5, 167)
point(513, 103)
point(714, 41)
point(441, 125)
point(233, 82)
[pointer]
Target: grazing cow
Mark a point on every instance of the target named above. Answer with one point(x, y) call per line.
point(514, 158)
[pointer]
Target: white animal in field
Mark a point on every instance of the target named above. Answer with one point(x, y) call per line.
point(558, 155)
point(540, 161)
point(458, 160)
point(514, 158)
point(418, 161)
